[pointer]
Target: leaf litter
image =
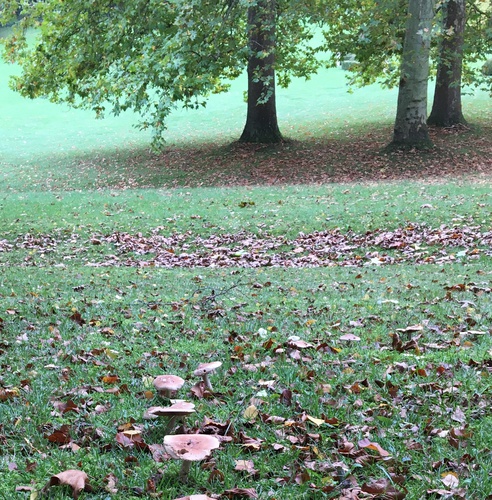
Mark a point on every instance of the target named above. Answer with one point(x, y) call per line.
point(415, 243)
point(363, 437)
point(459, 152)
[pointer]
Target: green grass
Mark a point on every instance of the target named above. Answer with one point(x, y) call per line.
point(286, 210)
point(129, 312)
point(67, 180)
point(138, 323)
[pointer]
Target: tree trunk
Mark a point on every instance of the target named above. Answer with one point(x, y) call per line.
point(446, 108)
point(411, 114)
point(261, 122)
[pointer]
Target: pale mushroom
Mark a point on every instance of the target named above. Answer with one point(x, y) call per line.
point(165, 384)
point(204, 370)
point(174, 412)
point(189, 448)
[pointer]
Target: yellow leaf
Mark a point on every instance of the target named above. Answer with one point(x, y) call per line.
point(315, 421)
point(250, 413)
point(111, 354)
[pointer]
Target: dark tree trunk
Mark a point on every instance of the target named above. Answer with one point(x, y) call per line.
point(261, 122)
point(446, 108)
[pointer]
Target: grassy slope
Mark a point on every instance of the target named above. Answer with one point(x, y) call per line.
point(156, 320)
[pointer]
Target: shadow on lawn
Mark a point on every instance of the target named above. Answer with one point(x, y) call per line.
point(457, 153)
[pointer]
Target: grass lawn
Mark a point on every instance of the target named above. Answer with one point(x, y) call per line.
point(352, 320)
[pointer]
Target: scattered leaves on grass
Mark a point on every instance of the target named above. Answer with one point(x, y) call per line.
point(415, 243)
point(354, 158)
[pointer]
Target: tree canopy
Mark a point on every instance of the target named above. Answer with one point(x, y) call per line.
point(153, 56)
point(149, 55)
point(374, 31)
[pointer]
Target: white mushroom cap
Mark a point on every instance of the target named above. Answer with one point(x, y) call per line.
point(180, 409)
point(190, 447)
point(204, 368)
point(167, 383)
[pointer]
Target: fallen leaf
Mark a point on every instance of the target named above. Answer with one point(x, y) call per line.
point(450, 479)
point(350, 337)
point(6, 394)
point(245, 466)
point(250, 413)
point(315, 421)
point(458, 416)
point(111, 482)
point(60, 436)
point(76, 479)
point(110, 379)
point(158, 452)
point(365, 443)
point(383, 489)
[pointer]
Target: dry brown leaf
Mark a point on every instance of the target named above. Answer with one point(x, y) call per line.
point(60, 436)
point(6, 394)
point(76, 479)
point(365, 443)
point(111, 482)
point(110, 379)
point(458, 416)
point(384, 489)
point(245, 466)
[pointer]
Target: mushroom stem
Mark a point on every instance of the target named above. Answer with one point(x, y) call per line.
point(170, 425)
point(206, 380)
point(185, 470)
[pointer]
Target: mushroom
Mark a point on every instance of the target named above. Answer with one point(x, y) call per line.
point(165, 384)
point(175, 412)
point(189, 448)
point(204, 369)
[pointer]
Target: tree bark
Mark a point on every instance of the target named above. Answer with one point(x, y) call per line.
point(446, 107)
point(411, 114)
point(261, 121)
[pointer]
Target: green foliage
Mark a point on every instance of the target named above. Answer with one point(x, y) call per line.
point(371, 30)
point(374, 31)
point(9, 10)
point(149, 56)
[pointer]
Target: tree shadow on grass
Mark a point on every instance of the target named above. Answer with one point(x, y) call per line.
point(356, 157)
